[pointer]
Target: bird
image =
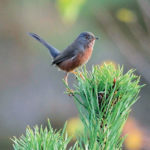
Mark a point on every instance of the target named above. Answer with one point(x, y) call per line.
point(74, 56)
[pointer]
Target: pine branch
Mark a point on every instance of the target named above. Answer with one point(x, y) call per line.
point(106, 96)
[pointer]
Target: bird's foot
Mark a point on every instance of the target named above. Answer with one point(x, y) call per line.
point(70, 92)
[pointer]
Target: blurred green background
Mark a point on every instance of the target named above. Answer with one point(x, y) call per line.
point(31, 90)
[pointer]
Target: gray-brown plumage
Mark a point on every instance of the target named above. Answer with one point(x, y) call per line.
point(75, 55)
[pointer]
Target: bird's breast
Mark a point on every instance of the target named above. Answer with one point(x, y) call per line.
point(78, 60)
point(85, 55)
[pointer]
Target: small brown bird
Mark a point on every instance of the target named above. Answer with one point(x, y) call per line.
point(75, 55)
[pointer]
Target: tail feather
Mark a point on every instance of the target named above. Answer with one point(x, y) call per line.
point(53, 51)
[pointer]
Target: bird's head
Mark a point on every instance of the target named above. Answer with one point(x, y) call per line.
point(87, 39)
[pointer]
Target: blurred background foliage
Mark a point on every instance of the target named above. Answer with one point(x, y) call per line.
point(31, 90)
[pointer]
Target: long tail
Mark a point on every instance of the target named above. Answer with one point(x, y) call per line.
point(53, 51)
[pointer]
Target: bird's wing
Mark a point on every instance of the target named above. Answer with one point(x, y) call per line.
point(68, 53)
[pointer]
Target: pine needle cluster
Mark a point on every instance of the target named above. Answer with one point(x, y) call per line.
point(104, 98)
point(42, 139)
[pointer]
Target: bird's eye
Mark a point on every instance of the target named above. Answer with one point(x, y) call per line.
point(87, 37)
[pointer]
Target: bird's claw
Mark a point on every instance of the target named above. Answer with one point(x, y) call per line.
point(70, 92)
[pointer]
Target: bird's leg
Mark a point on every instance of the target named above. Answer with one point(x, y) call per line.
point(82, 76)
point(66, 78)
point(69, 91)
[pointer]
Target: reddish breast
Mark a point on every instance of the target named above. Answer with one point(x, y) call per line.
point(79, 60)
